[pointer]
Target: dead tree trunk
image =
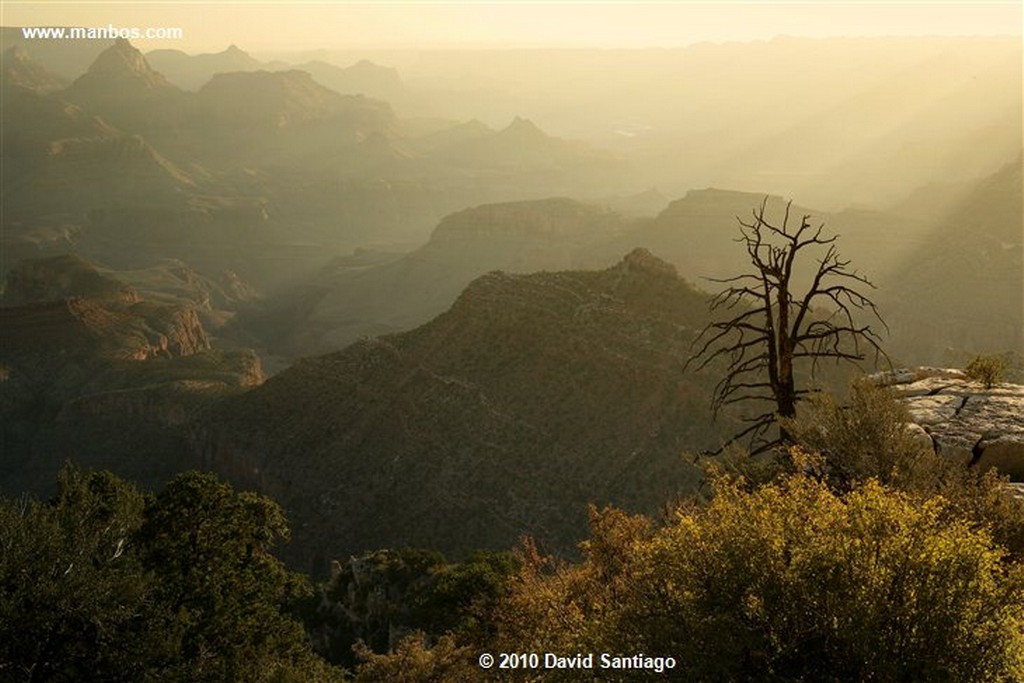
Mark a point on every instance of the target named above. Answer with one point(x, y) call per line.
point(773, 328)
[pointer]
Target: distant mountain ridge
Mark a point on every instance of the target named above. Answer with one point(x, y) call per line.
point(695, 233)
point(532, 396)
point(122, 87)
point(519, 144)
point(274, 98)
point(364, 77)
point(963, 291)
point(274, 156)
point(68, 59)
point(340, 303)
point(193, 71)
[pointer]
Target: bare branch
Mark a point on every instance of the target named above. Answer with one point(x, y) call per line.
point(772, 328)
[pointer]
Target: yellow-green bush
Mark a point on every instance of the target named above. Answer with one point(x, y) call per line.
point(792, 581)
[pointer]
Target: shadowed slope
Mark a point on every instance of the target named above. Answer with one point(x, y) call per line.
point(534, 395)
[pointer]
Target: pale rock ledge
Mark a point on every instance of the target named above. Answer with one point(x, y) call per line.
point(963, 419)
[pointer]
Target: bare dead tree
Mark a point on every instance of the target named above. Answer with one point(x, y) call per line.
point(774, 327)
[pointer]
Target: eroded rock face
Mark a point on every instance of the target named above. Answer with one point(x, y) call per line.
point(60, 277)
point(99, 371)
point(982, 427)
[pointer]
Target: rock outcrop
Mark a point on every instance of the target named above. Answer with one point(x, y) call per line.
point(21, 71)
point(120, 73)
point(93, 328)
point(122, 87)
point(60, 277)
point(68, 306)
point(96, 371)
point(963, 419)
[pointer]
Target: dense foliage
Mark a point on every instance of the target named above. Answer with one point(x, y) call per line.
point(102, 584)
point(857, 555)
point(790, 581)
point(75, 600)
point(372, 601)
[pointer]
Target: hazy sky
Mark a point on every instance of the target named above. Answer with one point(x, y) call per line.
point(297, 25)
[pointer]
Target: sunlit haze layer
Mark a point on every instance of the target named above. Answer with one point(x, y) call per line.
point(296, 26)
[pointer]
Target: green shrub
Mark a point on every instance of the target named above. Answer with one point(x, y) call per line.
point(103, 584)
point(865, 437)
point(797, 582)
point(792, 581)
point(987, 369)
point(412, 662)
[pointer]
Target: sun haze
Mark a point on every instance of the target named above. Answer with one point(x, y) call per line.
point(292, 26)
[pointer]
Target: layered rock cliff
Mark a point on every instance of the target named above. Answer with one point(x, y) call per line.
point(96, 372)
